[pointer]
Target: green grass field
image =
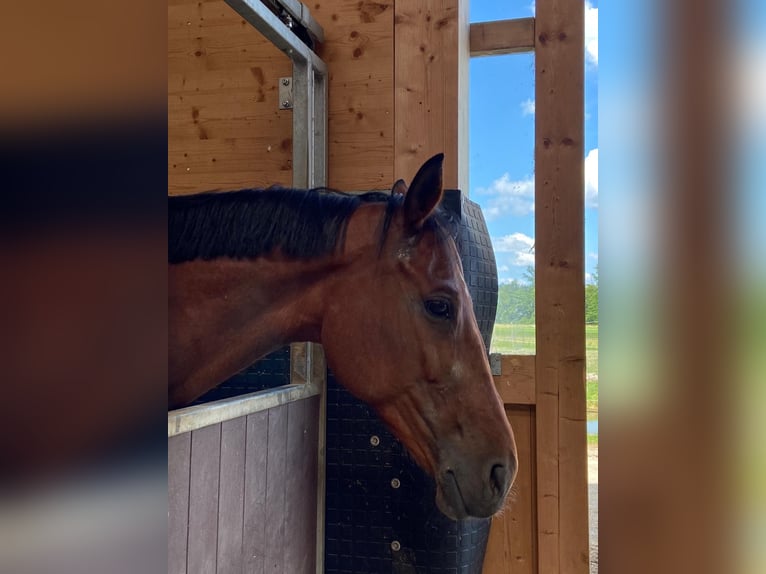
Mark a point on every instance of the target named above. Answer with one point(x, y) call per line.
point(520, 340)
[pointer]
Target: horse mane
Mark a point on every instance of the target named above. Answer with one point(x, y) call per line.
point(249, 223)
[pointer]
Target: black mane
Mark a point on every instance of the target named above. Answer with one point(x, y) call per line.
point(249, 223)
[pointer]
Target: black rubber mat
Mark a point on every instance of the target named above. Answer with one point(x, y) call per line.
point(271, 371)
point(380, 511)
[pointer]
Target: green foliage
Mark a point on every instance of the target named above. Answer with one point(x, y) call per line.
point(516, 303)
point(591, 303)
point(516, 300)
point(591, 397)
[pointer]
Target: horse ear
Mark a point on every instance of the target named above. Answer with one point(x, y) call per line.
point(425, 193)
point(400, 188)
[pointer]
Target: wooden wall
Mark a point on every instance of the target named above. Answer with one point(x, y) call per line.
point(396, 71)
point(225, 130)
point(359, 53)
point(242, 494)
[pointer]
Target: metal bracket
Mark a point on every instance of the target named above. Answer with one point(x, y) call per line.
point(495, 364)
point(286, 93)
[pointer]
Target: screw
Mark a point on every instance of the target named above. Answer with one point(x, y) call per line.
point(395, 546)
point(395, 483)
point(286, 104)
point(374, 440)
point(285, 81)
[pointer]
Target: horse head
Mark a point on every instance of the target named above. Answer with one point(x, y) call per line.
point(400, 333)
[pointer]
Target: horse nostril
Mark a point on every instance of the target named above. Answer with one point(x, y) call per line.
point(498, 478)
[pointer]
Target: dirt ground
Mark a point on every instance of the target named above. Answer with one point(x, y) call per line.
point(593, 506)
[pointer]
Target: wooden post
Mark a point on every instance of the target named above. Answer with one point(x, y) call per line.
point(431, 41)
point(562, 501)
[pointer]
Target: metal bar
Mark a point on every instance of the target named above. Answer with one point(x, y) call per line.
point(318, 368)
point(320, 130)
point(302, 112)
point(199, 416)
point(301, 13)
point(259, 16)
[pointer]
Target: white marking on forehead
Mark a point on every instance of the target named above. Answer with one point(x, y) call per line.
point(457, 370)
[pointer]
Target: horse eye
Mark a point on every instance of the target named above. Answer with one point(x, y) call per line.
point(439, 308)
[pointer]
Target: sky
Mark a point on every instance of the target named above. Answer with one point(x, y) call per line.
point(502, 113)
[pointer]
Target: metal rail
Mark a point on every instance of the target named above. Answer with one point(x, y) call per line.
point(199, 416)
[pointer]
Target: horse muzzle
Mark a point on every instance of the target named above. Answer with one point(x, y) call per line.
point(463, 492)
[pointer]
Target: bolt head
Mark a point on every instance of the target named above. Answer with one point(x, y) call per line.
point(395, 546)
point(374, 440)
point(395, 483)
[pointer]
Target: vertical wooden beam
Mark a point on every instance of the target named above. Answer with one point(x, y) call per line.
point(179, 460)
point(203, 499)
point(431, 53)
point(231, 496)
point(276, 460)
point(254, 543)
point(559, 245)
point(511, 548)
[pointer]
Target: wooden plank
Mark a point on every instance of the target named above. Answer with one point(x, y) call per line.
point(431, 39)
point(254, 532)
point(502, 37)
point(319, 378)
point(359, 52)
point(300, 486)
point(497, 559)
point(559, 300)
point(276, 467)
point(224, 127)
point(179, 459)
point(516, 383)
point(522, 510)
point(511, 548)
point(203, 499)
point(231, 498)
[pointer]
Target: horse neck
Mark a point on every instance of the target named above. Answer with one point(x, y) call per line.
point(229, 313)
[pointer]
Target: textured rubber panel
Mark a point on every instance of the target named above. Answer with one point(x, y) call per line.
point(271, 371)
point(479, 266)
point(380, 511)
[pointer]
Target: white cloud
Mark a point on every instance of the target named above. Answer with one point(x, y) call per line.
point(503, 268)
point(750, 86)
point(528, 107)
point(533, 7)
point(520, 247)
point(588, 278)
point(591, 178)
point(593, 255)
point(509, 197)
point(591, 32)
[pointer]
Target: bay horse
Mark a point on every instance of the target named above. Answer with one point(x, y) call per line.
point(377, 280)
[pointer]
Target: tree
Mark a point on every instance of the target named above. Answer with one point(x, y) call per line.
point(591, 299)
point(516, 300)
